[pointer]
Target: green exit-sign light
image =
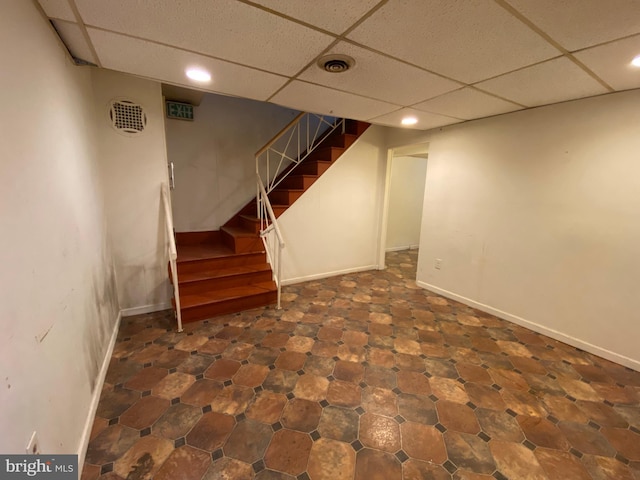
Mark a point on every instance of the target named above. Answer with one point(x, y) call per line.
point(180, 111)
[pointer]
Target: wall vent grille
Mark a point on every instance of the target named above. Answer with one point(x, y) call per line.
point(127, 117)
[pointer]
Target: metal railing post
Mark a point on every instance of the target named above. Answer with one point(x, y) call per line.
point(268, 221)
point(173, 251)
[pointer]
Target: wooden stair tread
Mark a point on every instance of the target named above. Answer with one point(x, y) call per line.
point(196, 300)
point(194, 253)
point(223, 272)
point(187, 253)
point(238, 231)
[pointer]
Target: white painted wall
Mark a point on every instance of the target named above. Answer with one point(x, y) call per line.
point(406, 196)
point(214, 158)
point(335, 226)
point(58, 296)
point(535, 216)
point(133, 168)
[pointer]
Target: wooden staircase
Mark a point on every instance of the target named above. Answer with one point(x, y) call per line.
point(226, 270)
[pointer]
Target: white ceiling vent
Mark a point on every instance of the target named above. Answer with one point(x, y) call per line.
point(127, 117)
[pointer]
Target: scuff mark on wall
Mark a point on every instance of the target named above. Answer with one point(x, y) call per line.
point(101, 311)
point(40, 338)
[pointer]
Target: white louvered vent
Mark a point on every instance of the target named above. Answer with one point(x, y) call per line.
point(127, 117)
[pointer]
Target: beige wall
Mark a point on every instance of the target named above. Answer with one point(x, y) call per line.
point(133, 168)
point(335, 226)
point(214, 158)
point(59, 301)
point(535, 217)
point(406, 196)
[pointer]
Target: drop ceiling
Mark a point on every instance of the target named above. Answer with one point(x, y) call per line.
point(442, 61)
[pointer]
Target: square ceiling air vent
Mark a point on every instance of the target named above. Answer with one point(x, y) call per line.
point(127, 117)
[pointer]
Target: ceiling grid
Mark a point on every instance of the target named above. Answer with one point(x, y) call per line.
point(442, 61)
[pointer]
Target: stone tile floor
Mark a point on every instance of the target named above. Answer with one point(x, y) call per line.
point(361, 376)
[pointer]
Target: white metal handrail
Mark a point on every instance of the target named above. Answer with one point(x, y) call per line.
point(286, 149)
point(275, 256)
point(292, 145)
point(173, 251)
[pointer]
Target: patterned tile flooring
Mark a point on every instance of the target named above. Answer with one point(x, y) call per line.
point(361, 376)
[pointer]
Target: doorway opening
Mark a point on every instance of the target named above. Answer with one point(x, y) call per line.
point(402, 213)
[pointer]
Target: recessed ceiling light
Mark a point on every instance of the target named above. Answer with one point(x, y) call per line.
point(198, 75)
point(636, 61)
point(409, 121)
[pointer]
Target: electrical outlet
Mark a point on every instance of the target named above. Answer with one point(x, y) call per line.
point(438, 264)
point(33, 447)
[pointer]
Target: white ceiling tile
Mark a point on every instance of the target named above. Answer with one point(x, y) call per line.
point(331, 15)
point(72, 36)
point(220, 28)
point(549, 82)
point(314, 98)
point(58, 9)
point(467, 103)
point(426, 120)
point(381, 77)
point(168, 64)
point(611, 62)
point(468, 40)
point(577, 24)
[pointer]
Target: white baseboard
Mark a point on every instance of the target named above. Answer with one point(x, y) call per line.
point(404, 247)
point(128, 312)
point(536, 327)
point(318, 276)
point(93, 407)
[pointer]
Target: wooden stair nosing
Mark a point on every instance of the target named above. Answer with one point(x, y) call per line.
point(221, 273)
point(236, 231)
point(286, 195)
point(240, 279)
point(228, 307)
point(250, 223)
point(313, 167)
point(303, 181)
point(240, 239)
point(329, 153)
point(222, 295)
point(221, 262)
point(342, 140)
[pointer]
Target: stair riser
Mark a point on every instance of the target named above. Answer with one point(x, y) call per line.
point(250, 225)
point(311, 167)
point(222, 262)
point(356, 128)
point(241, 244)
point(239, 280)
point(326, 154)
point(339, 140)
point(284, 197)
point(277, 211)
point(297, 182)
point(193, 238)
point(202, 312)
